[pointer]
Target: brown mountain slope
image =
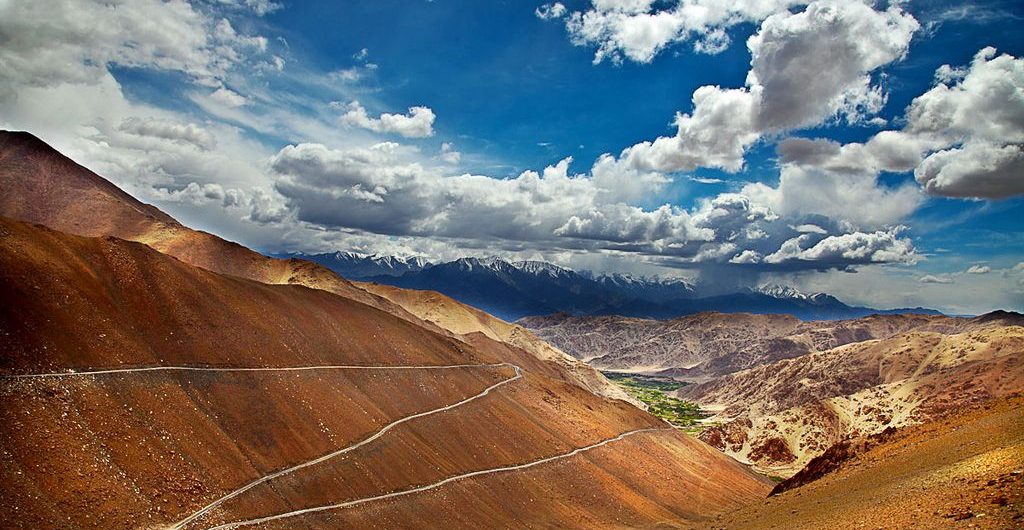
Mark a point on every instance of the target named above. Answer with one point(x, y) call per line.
point(705, 345)
point(780, 415)
point(40, 185)
point(144, 449)
point(963, 471)
point(462, 319)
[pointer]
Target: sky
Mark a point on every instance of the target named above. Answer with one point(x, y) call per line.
point(869, 150)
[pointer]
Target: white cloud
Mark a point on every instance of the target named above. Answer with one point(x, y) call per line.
point(638, 30)
point(227, 97)
point(978, 169)
point(449, 155)
point(854, 198)
point(747, 257)
point(805, 68)
point(170, 130)
point(716, 134)
point(384, 190)
point(930, 278)
point(550, 11)
point(418, 123)
point(814, 64)
point(810, 229)
point(962, 138)
point(64, 41)
point(856, 247)
point(979, 269)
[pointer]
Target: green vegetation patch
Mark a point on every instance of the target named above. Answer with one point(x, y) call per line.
point(652, 391)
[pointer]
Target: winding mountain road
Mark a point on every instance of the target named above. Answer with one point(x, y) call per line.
point(184, 522)
point(383, 430)
point(74, 373)
point(427, 487)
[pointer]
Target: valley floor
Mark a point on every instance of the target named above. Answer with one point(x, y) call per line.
point(965, 471)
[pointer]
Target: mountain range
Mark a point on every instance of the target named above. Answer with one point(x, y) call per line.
point(783, 391)
point(515, 289)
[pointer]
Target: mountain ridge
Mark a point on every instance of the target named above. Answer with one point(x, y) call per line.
point(513, 290)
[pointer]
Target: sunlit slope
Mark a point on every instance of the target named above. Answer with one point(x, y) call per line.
point(150, 448)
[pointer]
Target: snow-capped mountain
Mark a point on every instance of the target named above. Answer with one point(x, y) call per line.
point(655, 289)
point(786, 292)
point(355, 266)
point(515, 289)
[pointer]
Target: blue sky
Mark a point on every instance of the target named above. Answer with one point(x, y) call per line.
point(289, 126)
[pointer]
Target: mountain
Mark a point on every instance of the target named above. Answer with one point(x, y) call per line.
point(510, 290)
point(706, 345)
point(513, 290)
point(156, 377)
point(352, 265)
point(781, 414)
point(960, 471)
point(42, 186)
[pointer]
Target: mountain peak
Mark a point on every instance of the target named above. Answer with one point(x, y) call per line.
point(541, 267)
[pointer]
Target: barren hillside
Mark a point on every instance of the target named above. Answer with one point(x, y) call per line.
point(142, 446)
point(462, 319)
point(780, 415)
point(963, 471)
point(706, 345)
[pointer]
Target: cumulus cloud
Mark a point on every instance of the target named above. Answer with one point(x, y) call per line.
point(639, 30)
point(805, 68)
point(852, 248)
point(418, 123)
point(384, 190)
point(64, 41)
point(930, 278)
point(854, 198)
point(170, 130)
point(381, 190)
point(963, 137)
point(979, 269)
point(815, 64)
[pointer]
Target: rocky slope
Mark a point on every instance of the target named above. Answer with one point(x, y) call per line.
point(962, 471)
point(707, 345)
point(780, 415)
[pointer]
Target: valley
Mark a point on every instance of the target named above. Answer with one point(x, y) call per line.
point(655, 394)
point(781, 391)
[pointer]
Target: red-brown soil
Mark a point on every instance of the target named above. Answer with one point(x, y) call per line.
point(148, 449)
point(40, 185)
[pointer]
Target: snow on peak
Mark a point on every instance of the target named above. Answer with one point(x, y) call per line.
point(538, 268)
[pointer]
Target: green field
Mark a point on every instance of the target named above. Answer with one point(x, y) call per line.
point(652, 391)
